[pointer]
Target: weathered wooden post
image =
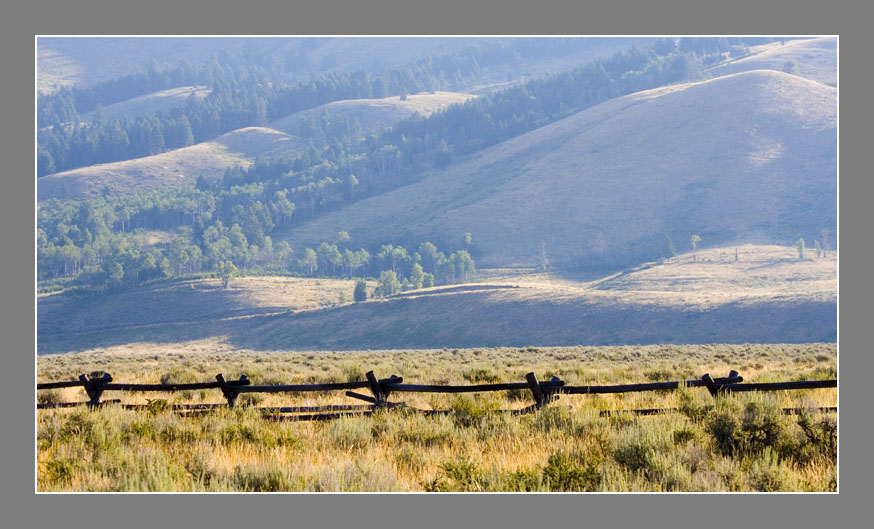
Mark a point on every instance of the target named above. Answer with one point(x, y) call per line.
point(229, 392)
point(711, 385)
point(94, 388)
point(379, 394)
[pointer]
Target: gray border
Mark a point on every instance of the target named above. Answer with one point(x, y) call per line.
point(21, 22)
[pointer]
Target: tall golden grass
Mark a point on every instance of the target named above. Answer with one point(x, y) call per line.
point(738, 443)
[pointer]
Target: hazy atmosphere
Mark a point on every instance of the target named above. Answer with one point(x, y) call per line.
point(460, 212)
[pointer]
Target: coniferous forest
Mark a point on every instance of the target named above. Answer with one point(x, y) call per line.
point(109, 242)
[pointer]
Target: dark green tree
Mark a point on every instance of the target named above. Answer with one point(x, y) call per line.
point(360, 293)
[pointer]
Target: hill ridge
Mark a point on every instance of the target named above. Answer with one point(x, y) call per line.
point(753, 132)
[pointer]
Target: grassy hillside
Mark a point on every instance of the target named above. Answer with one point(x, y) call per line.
point(374, 114)
point(177, 168)
point(150, 103)
point(182, 167)
point(749, 157)
point(816, 59)
point(767, 296)
point(85, 61)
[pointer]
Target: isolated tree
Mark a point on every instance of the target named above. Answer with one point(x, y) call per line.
point(694, 241)
point(543, 260)
point(818, 248)
point(468, 240)
point(826, 245)
point(360, 293)
point(800, 246)
point(226, 271)
point(790, 67)
point(668, 251)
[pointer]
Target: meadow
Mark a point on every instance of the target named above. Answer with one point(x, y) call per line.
point(741, 442)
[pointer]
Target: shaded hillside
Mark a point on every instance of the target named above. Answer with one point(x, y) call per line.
point(814, 59)
point(745, 157)
point(766, 296)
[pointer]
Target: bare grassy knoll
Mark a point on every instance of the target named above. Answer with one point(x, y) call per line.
point(742, 443)
point(176, 168)
point(182, 167)
point(814, 59)
point(149, 103)
point(767, 296)
point(374, 114)
point(749, 156)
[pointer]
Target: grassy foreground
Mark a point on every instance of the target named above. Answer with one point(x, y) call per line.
point(740, 443)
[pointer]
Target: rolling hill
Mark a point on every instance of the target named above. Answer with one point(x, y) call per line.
point(374, 114)
point(182, 167)
point(176, 168)
point(768, 295)
point(815, 59)
point(85, 61)
point(149, 103)
point(748, 157)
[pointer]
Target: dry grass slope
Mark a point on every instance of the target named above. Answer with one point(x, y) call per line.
point(745, 157)
point(182, 167)
point(150, 103)
point(176, 168)
point(816, 59)
point(768, 296)
point(375, 114)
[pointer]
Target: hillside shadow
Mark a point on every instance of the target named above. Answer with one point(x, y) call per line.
point(471, 316)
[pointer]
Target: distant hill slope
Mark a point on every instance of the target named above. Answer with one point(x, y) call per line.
point(767, 296)
point(176, 168)
point(744, 157)
point(149, 103)
point(85, 61)
point(182, 167)
point(375, 114)
point(816, 59)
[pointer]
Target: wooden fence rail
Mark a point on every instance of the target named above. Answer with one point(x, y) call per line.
point(542, 392)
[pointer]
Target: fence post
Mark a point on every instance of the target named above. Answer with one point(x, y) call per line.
point(711, 385)
point(541, 398)
point(94, 388)
point(376, 388)
point(229, 393)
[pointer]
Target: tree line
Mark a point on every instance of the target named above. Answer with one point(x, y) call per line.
point(245, 92)
point(76, 243)
point(231, 218)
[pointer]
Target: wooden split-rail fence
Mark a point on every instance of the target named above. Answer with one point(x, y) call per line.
point(542, 392)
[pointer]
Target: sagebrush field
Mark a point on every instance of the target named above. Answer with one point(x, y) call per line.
point(737, 443)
